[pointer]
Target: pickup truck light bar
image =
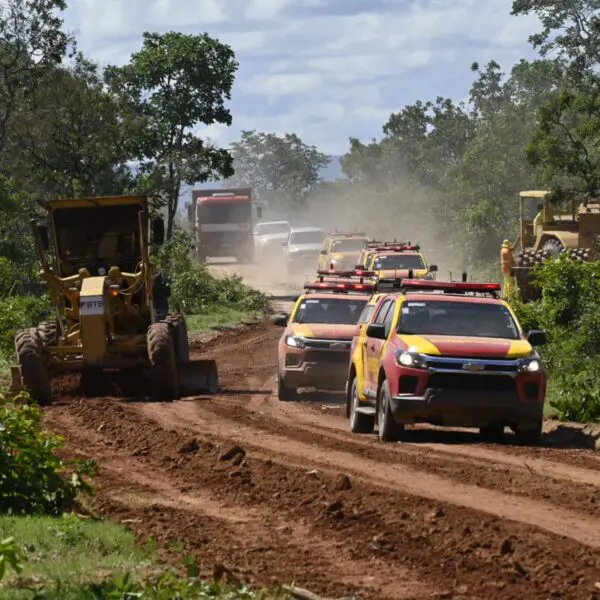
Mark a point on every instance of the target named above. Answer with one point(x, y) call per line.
point(450, 286)
point(331, 286)
point(397, 248)
point(394, 242)
point(353, 273)
point(347, 234)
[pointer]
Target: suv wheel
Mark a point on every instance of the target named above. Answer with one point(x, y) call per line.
point(530, 437)
point(284, 393)
point(359, 422)
point(494, 432)
point(389, 429)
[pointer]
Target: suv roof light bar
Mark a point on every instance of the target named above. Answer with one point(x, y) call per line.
point(331, 286)
point(351, 273)
point(397, 248)
point(459, 287)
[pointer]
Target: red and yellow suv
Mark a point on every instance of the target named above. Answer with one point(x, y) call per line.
point(449, 354)
point(314, 350)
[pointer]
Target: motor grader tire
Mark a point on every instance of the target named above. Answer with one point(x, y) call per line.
point(48, 331)
point(180, 337)
point(161, 353)
point(35, 377)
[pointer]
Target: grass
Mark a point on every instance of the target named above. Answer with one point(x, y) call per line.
point(69, 553)
point(219, 316)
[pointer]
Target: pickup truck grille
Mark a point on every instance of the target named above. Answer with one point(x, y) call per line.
point(471, 381)
point(328, 356)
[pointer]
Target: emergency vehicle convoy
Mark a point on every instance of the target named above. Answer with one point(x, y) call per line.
point(448, 354)
point(414, 350)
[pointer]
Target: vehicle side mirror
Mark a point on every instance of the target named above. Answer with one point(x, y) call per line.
point(323, 252)
point(158, 231)
point(376, 331)
point(359, 267)
point(536, 337)
point(284, 243)
point(433, 268)
point(44, 237)
point(281, 320)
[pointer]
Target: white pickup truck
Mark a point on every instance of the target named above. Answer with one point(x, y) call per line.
point(268, 238)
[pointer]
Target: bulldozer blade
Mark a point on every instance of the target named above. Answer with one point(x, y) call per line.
point(198, 377)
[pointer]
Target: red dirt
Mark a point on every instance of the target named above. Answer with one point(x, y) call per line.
point(282, 492)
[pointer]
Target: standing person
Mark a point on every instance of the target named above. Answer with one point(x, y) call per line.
point(507, 262)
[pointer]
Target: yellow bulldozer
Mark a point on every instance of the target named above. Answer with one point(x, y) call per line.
point(570, 228)
point(110, 305)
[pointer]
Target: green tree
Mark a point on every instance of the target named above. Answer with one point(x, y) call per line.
point(570, 29)
point(70, 140)
point(173, 85)
point(31, 43)
point(278, 167)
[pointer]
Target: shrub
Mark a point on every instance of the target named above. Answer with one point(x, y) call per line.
point(194, 289)
point(34, 480)
point(569, 312)
point(19, 312)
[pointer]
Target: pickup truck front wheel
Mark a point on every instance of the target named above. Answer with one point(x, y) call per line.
point(389, 429)
point(359, 422)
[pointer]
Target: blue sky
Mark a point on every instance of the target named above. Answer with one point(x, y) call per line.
point(324, 69)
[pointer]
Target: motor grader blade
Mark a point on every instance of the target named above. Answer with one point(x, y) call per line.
point(197, 377)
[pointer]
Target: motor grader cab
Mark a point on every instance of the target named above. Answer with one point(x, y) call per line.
point(110, 306)
point(569, 227)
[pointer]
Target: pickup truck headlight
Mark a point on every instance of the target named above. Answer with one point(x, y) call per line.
point(414, 360)
point(294, 342)
point(530, 365)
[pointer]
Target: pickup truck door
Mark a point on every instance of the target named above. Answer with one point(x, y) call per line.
point(373, 348)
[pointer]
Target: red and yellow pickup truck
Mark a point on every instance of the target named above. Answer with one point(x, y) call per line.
point(448, 354)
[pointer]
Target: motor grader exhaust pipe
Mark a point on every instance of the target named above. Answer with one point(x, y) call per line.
point(198, 377)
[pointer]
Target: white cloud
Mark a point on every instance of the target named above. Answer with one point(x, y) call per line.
point(265, 9)
point(289, 84)
point(323, 75)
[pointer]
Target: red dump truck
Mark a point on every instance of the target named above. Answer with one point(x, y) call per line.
point(222, 220)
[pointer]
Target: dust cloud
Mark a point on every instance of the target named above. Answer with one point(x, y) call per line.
point(404, 212)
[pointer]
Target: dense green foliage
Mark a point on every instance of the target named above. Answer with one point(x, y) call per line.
point(194, 289)
point(568, 312)
point(33, 478)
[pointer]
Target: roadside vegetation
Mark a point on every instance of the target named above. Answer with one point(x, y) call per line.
point(49, 551)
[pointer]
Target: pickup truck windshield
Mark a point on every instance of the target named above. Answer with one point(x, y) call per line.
point(307, 237)
point(333, 311)
point(271, 228)
point(349, 245)
point(398, 261)
point(457, 319)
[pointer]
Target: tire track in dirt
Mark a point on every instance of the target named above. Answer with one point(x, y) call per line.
point(135, 485)
point(395, 477)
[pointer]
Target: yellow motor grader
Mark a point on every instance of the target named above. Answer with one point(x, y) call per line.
point(110, 305)
point(571, 229)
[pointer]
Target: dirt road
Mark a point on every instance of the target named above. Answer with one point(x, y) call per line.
point(281, 492)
